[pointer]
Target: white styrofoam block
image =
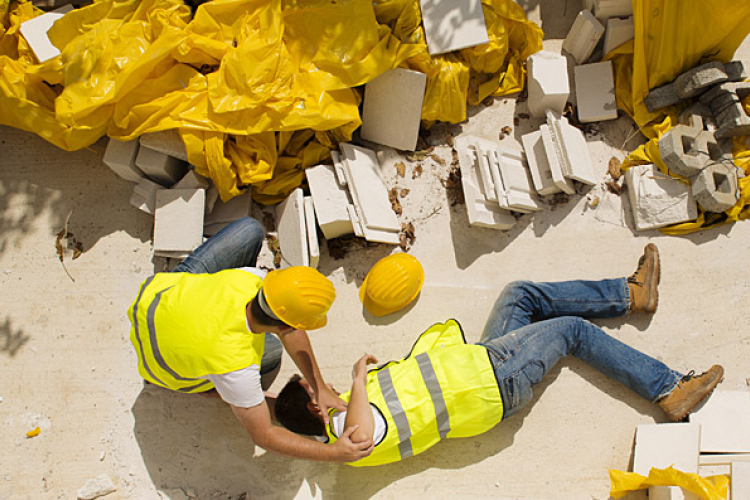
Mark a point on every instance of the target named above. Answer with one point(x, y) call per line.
point(178, 220)
point(480, 211)
point(548, 86)
point(573, 152)
point(392, 108)
point(658, 200)
point(536, 158)
point(144, 195)
point(164, 169)
point(229, 211)
point(618, 32)
point(665, 445)
point(368, 189)
point(604, 9)
point(168, 142)
point(35, 33)
point(312, 232)
point(191, 180)
point(740, 480)
point(583, 36)
point(330, 200)
point(725, 422)
point(453, 24)
point(595, 92)
point(290, 224)
point(120, 157)
point(555, 161)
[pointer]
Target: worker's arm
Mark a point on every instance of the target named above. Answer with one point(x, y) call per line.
point(297, 344)
point(257, 422)
point(359, 414)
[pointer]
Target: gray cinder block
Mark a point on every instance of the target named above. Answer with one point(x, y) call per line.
point(686, 150)
point(661, 97)
point(697, 80)
point(715, 188)
point(735, 71)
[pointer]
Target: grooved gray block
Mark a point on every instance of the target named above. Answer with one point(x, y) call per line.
point(685, 150)
point(741, 89)
point(661, 97)
point(697, 80)
point(715, 187)
point(698, 116)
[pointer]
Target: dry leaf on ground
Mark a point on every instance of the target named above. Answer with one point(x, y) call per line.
point(407, 236)
point(393, 198)
point(438, 159)
point(401, 169)
point(417, 171)
point(273, 246)
point(404, 192)
point(613, 187)
point(614, 168)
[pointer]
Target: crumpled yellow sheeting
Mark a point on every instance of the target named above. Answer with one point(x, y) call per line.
point(707, 488)
point(670, 38)
point(258, 89)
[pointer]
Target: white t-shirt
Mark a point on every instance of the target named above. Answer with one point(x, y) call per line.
point(339, 417)
point(241, 387)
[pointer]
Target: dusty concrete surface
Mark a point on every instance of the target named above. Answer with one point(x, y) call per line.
point(66, 364)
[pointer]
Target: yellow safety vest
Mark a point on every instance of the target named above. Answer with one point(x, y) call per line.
point(443, 388)
point(185, 326)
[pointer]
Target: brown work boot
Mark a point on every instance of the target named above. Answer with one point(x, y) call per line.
point(690, 391)
point(644, 283)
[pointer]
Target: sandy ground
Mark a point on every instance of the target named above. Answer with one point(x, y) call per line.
point(68, 368)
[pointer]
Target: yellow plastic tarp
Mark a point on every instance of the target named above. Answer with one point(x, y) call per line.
point(670, 38)
point(707, 488)
point(258, 89)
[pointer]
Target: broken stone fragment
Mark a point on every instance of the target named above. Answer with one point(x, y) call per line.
point(97, 487)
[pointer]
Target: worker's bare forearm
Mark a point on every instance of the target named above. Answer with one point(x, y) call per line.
point(359, 412)
point(297, 344)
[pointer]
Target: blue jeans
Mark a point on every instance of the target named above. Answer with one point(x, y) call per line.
point(237, 245)
point(533, 325)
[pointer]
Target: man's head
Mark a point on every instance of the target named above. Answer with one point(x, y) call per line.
point(299, 297)
point(296, 410)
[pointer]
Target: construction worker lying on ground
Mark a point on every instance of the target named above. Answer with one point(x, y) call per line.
point(446, 388)
point(200, 329)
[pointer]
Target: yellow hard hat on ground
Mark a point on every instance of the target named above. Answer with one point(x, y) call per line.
point(299, 296)
point(392, 283)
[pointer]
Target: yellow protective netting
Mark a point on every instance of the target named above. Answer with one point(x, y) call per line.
point(705, 488)
point(258, 89)
point(670, 38)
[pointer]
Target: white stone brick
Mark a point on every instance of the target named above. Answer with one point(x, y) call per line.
point(392, 108)
point(330, 200)
point(312, 232)
point(573, 152)
point(161, 168)
point(583, 36)
point(35, 33)
point(740, 480)
point(178, 220)
point(725, 422)
point(453, 25)
point(658, 200)
point(548, 86)
point(480, 211)
point(224, 213)
point(168, 142)
point(144, 195)
point(290, 225)
point(191, 180)
point(595, 92)
point(120, 157)
point(536, 158)
point(618, 32)
point(555, 161)
point(604, 9)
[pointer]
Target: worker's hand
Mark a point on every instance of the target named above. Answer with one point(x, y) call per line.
point(348, 450)
point(360, 367)
point(327, 399)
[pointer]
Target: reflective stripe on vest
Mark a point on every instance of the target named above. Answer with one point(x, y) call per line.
point(397, 413)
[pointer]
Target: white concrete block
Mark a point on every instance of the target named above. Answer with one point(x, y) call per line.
point(583, 36)
point(144, 195)
point(536, 158)
point(120, 157)
point(312, 232)
point(392, 108)
point(330, 200)
point(604, 9)
point(35, 33)
point(167, 142)
point(161, 168)
point(292, 234)
point(191, 180)
point(618, 32)
point(573, 152)
point(453, 24)
point(548, 86)
point(658, 200)
point(480, 211)
point(740, 480)
point(224, 213)
point(595, 92)
point(664, 445)
point(178, 220)
point(555, 160)
point(725, 422)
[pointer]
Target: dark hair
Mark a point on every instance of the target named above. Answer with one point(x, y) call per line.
point(291, 410)
point(261, 317)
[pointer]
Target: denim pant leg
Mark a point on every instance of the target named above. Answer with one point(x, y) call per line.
point(523, 302)
point(522, 357)
point(237, 245)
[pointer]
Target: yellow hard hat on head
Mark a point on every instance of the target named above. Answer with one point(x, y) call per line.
point(299, 296)
point(392, 283)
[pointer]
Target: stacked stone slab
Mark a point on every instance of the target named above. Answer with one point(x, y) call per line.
point(583, 36)
point(618, 32)
point(167, 142)
point(161, 168)
point(292, 230)
point(178, 221)
point(120, 157)
point(604, 9)
point(548, 86)
point(595, 92)
point(330, 200)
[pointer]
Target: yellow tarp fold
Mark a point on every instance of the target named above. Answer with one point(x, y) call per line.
point(707, 488)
